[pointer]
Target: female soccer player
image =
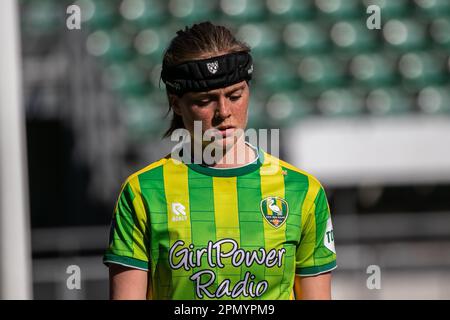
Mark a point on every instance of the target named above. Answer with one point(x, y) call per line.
point(219, 229)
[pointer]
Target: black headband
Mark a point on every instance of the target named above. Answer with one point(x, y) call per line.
point(208, 74)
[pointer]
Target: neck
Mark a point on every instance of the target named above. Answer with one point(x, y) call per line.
point(237, 155)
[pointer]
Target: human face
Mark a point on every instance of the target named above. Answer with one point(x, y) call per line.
point(224, 109)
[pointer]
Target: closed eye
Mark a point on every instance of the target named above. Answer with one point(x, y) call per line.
point(202, 102)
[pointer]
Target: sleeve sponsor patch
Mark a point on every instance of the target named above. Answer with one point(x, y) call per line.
point(328, 239)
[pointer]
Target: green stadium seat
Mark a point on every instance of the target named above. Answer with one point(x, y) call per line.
point(390, 9)
point(353, 36)
point(262, 38)
point(285, 107)
point(112, 45)
point(318, 72)
point(388, 101)
point(373, 69)
point(190, 11)
point(290, 10)
point(243, 10)
point(144, 13)
point(421, 68)
point(275, 73)
point(339, 9)
point(433, 7)
point(440, 32)
point(305, 37)
point(126, 79)
point(98, 43)
point(257, 118)
point(405, 34)
point(99, 14)
point(338, 102)
point(434, 100)
point(151, 43)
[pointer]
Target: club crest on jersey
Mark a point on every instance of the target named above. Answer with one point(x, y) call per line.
point(213, 66)
point(275, 210)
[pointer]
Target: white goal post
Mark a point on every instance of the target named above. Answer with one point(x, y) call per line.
point(15, 253)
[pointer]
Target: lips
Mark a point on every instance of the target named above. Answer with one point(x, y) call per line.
point(224, 127)
point(226, 130)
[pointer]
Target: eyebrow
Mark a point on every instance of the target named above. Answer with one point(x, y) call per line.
point(241, 87)
point(199, 95)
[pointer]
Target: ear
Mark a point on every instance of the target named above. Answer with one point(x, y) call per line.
point(175, 104)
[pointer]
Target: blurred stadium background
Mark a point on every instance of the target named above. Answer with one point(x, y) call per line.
point(366, 111)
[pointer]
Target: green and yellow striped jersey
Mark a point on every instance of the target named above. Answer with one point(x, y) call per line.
point(208, 233)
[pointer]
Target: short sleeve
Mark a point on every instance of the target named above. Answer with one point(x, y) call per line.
point(129, 232)
point(316, 252)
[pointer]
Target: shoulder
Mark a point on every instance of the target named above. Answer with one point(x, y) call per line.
point(299, 180)
point(153, 167)
point(295, 177)
point(278, 164)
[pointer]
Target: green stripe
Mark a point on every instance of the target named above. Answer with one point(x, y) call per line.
point(306, 245)
point(126, 261)
point(322, 255)
point(124, 222)
point(201, 199)
point(309, 271)
point(251, 221)
point(296, 186)
point(152, 188)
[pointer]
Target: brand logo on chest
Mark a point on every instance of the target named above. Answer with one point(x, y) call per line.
point(178, 212)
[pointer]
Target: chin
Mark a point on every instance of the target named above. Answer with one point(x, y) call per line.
point(223, 143)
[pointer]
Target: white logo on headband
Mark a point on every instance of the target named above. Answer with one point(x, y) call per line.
point(213, 66)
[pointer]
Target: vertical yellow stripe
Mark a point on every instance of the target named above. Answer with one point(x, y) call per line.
point(227, 221)
point(226, 207)
point(177, 191)
point(140, 226)
point(272, 185)
point(309, 223)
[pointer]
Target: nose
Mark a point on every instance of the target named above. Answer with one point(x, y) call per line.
point(223, 107)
